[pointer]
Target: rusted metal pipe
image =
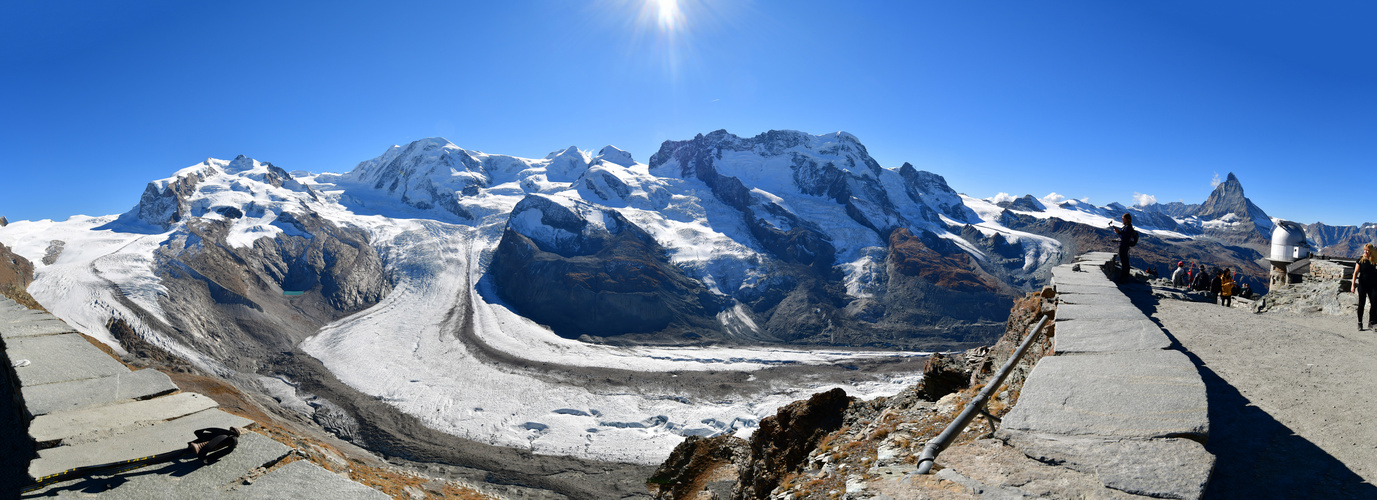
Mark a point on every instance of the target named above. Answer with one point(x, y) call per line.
point(977, 405)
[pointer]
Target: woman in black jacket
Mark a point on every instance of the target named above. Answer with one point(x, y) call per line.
point(1365, 285)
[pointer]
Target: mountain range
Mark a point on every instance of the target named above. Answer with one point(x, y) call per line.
point(526, 302)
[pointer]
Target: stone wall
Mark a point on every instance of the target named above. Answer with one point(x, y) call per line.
point(1325, 289)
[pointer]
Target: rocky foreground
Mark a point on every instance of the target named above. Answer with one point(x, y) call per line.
point(1115, 413)
point(832, 443)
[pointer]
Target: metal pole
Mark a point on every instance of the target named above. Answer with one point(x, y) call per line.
point(977, 405)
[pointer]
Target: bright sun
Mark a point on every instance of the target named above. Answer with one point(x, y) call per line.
point(667, 14)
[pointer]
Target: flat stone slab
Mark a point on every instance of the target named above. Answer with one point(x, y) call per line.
point(77, 394)
point(1084, 279)
point(105, 420)
point(24, 314)
point(1137, 394)
point(1101, 257)
point(1077, 289)
point(1109, 335)
point(183, 479)
point(1079, 312)
point(1110, 298)
point(36, 327)
point(304, 480)
point(142, 442)
point(60, 358)
point(1160, 468)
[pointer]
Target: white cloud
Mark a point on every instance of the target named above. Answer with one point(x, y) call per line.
point(1084, 200)
point(1053, 199)
point(1144, 200)
point(1002, 197)
point(1216, 181)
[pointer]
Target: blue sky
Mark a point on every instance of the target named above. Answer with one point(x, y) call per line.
point(1099, 100)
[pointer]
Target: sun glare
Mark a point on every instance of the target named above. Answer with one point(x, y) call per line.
point(667, 13)
point(665, 33)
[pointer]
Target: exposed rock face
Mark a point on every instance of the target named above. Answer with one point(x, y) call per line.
point(164, 202)
point(599, 277)
point(806, 300)
point(16, 273)
point(944, 374)
point(229, 301)
point(931, 190)
point(1025, 204)
point(14, 269)
point(1340, 241)
point(783, 441)
point(712, 464)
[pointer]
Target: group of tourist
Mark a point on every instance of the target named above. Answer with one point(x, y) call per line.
point(1219, 285)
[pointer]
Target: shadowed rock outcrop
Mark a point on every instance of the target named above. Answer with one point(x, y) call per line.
point(599, 278)
point(783, 441)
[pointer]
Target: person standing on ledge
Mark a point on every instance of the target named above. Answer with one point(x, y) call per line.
point(1127, 238)
point(1365, 285)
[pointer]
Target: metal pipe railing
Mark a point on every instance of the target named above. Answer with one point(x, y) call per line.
point(977, 405)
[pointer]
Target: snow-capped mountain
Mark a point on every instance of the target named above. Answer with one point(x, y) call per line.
point(526, 302)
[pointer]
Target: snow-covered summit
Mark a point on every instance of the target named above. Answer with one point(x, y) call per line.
point(612, 154)
point(242, 187)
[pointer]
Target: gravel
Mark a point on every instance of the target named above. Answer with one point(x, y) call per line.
point(1290, 398)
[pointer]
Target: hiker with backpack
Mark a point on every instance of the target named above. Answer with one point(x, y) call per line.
point(1202, 280)
point(1128, 237)
point(1216, 285)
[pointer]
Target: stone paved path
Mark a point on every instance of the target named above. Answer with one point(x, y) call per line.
point(87, 408)
point(1114, 402)
point(1115, 414)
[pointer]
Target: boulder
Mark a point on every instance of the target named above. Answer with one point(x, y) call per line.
point(783, 441)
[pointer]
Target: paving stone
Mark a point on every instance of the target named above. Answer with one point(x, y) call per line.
point(1160, 468)
point(104, 420)
point(179, 480)
point(41, 326)
point(1099, 299)
point(1074, 289)
point(1136, 394)
point(1107, 335)
point(24, 315)
point(1085, 279)
point(305, 480)
point(151, 440)
point(77, 394)
point(1096, 256)
point(1070, 312)
point(60, 358)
